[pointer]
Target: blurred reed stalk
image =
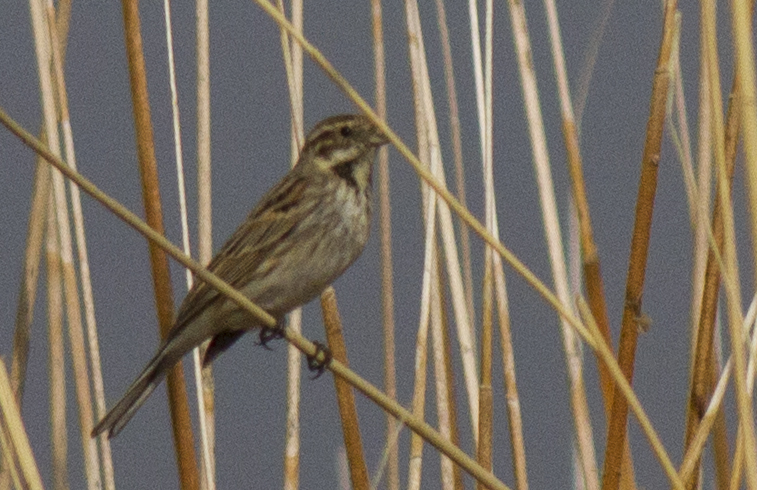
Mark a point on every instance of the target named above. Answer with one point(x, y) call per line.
point(447, 277)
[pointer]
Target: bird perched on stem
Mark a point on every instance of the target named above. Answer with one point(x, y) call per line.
point(299, 238)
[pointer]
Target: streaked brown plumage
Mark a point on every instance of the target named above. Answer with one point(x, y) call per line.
point(299, 238)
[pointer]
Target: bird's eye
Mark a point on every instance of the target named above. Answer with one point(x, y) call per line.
point(346, 131)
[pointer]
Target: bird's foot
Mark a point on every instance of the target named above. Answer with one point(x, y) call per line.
point(268, 334)
point(317, 365)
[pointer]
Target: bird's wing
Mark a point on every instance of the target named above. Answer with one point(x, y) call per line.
point(254, 243)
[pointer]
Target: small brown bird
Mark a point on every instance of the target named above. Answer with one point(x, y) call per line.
point(299, 238)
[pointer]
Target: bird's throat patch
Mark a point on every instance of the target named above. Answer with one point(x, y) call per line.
point(346, 171)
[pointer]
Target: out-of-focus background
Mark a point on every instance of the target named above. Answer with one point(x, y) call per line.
point(250, 152)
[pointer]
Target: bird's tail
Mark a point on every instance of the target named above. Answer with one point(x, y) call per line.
point(135, 396)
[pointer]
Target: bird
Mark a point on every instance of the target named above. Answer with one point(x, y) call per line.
point(303, 234)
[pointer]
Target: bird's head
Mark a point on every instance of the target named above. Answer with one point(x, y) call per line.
point(345, 145)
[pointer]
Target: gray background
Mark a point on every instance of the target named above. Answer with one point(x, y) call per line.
point(250, 138)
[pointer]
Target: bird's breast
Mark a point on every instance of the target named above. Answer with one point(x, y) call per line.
point(321, 250)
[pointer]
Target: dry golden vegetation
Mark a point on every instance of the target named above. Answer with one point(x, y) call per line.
point(464, 324)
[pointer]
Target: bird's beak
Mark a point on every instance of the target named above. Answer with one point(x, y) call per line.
point(379, 138)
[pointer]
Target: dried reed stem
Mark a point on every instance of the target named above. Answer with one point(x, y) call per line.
point(56, 355)
point(345, 398)
point(44, 51)
point(14, 434)
point(421, 343)
point(28, 284)
point(592, 270)
point(485, 415)
point(422, 91)
point(484, 95)
point(573, 357)
point(623, 388)
point(204, 188)
point(632, 310)
point(27, 290)
point(385, 236)
point(457, 153)
point(292, 57)
point(704, 363)
point(441, 381)
point(86, 282)
point(451, 394)
point(205, 417)
point(742, 35)
point(182, 427)
point(206, 386)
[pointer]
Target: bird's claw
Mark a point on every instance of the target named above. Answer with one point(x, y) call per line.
point(317, 366)
point(268, 334)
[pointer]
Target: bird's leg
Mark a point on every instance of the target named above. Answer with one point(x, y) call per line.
point(315, 364)
point(268, 334)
